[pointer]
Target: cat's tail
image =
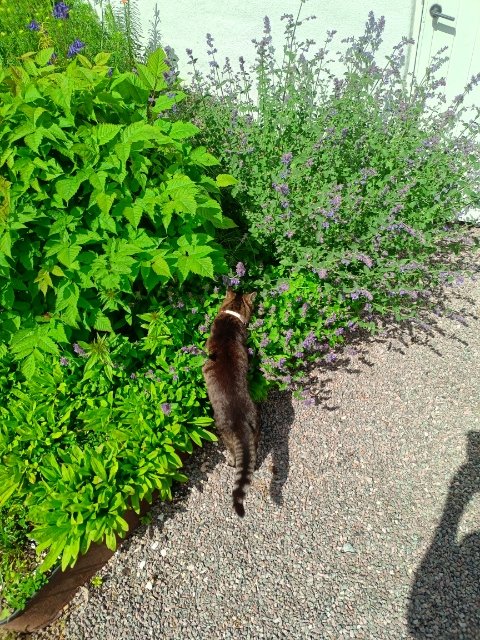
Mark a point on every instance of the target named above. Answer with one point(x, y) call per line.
point(245, 455)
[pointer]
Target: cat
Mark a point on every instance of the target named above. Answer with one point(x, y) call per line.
point(225, 374)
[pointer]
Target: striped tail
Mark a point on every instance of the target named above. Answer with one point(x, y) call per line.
point(245, 454)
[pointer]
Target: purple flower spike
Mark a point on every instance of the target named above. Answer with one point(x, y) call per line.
point(286, 158)
point(64, 362)
point(60, 11)
point(240, 269)
point(33, 26)
point(78, 349)
point(74, 48)
point(166, 408)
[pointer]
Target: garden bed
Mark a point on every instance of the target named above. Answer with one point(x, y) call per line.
point(122, 222)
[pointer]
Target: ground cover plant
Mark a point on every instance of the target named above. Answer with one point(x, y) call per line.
point(122, 222)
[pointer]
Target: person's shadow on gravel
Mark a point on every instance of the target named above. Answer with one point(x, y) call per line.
point(276, 417)
point(445, 598)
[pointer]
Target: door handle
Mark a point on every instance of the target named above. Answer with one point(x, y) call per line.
point(436, 12)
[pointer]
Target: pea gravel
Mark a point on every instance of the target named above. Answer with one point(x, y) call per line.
point(346, 533)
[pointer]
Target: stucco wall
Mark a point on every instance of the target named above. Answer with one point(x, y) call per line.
point(233, 24)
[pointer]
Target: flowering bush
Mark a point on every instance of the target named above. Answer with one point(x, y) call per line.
point(347, 187)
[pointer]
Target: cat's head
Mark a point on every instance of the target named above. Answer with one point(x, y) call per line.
point(241, 303)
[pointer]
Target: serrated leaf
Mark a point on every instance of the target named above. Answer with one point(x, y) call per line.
point(34, 139)
point(101, 59)
point(103, 133)
point(225, 180)
point(44, 281)
point(43, 56)
point(133, 215)
point(56, 271)
point(201, 156)
point(160, 267)
point(181, 130)
point(105, 201)
point(68, 255)
point(102, 323)
point(28, 366)
point(156, 65)
point(68, 187)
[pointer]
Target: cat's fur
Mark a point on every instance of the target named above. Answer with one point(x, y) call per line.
point(225, 373)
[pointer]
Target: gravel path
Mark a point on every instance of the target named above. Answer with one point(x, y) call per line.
point(366, 529)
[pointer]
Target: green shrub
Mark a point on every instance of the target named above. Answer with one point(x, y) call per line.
point(96, 431)
point(103, 202)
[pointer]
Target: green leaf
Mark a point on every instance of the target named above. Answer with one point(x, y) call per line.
point(103, 133)
point(43, 56)
point(68, 187)
point(160, 266)
point(156, 65)
point(225, 180)
point(201, 156)
point(28, 366)
point(181, 130)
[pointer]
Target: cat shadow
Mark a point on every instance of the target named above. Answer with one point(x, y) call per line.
point(276, 418)
point(444, 601)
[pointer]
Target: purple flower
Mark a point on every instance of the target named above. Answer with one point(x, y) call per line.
point(109, 72)
point(288, 336)
point(283, 287)
point(60, 11)
point(53, 59)
point(321, 273)
point(78, 349)
point(166, 408)
point(240, 269)
point(309, 341)
point(286, 158)
point(365, 259)
point(133, 376)
point(74, 48)
point(33, 26)
point(281, 188)
point(64, 362)
point(361, 292)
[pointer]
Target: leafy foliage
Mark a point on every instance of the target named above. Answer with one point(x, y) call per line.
point(27, 26)
point(115, 250)
point(103, 201)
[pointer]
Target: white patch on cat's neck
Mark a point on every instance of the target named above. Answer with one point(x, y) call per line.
point(236, 314)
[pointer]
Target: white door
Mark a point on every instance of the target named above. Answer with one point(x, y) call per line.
point(458, 29)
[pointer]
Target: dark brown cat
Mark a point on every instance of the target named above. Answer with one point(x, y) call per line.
point(225, 373)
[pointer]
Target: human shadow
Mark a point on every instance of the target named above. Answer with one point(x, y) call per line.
point(444, 601)
point(276, 419)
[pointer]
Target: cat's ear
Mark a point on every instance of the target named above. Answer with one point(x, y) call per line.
point(230, 294)
point(250, 297)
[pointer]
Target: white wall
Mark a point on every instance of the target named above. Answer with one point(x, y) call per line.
point(233, 24)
